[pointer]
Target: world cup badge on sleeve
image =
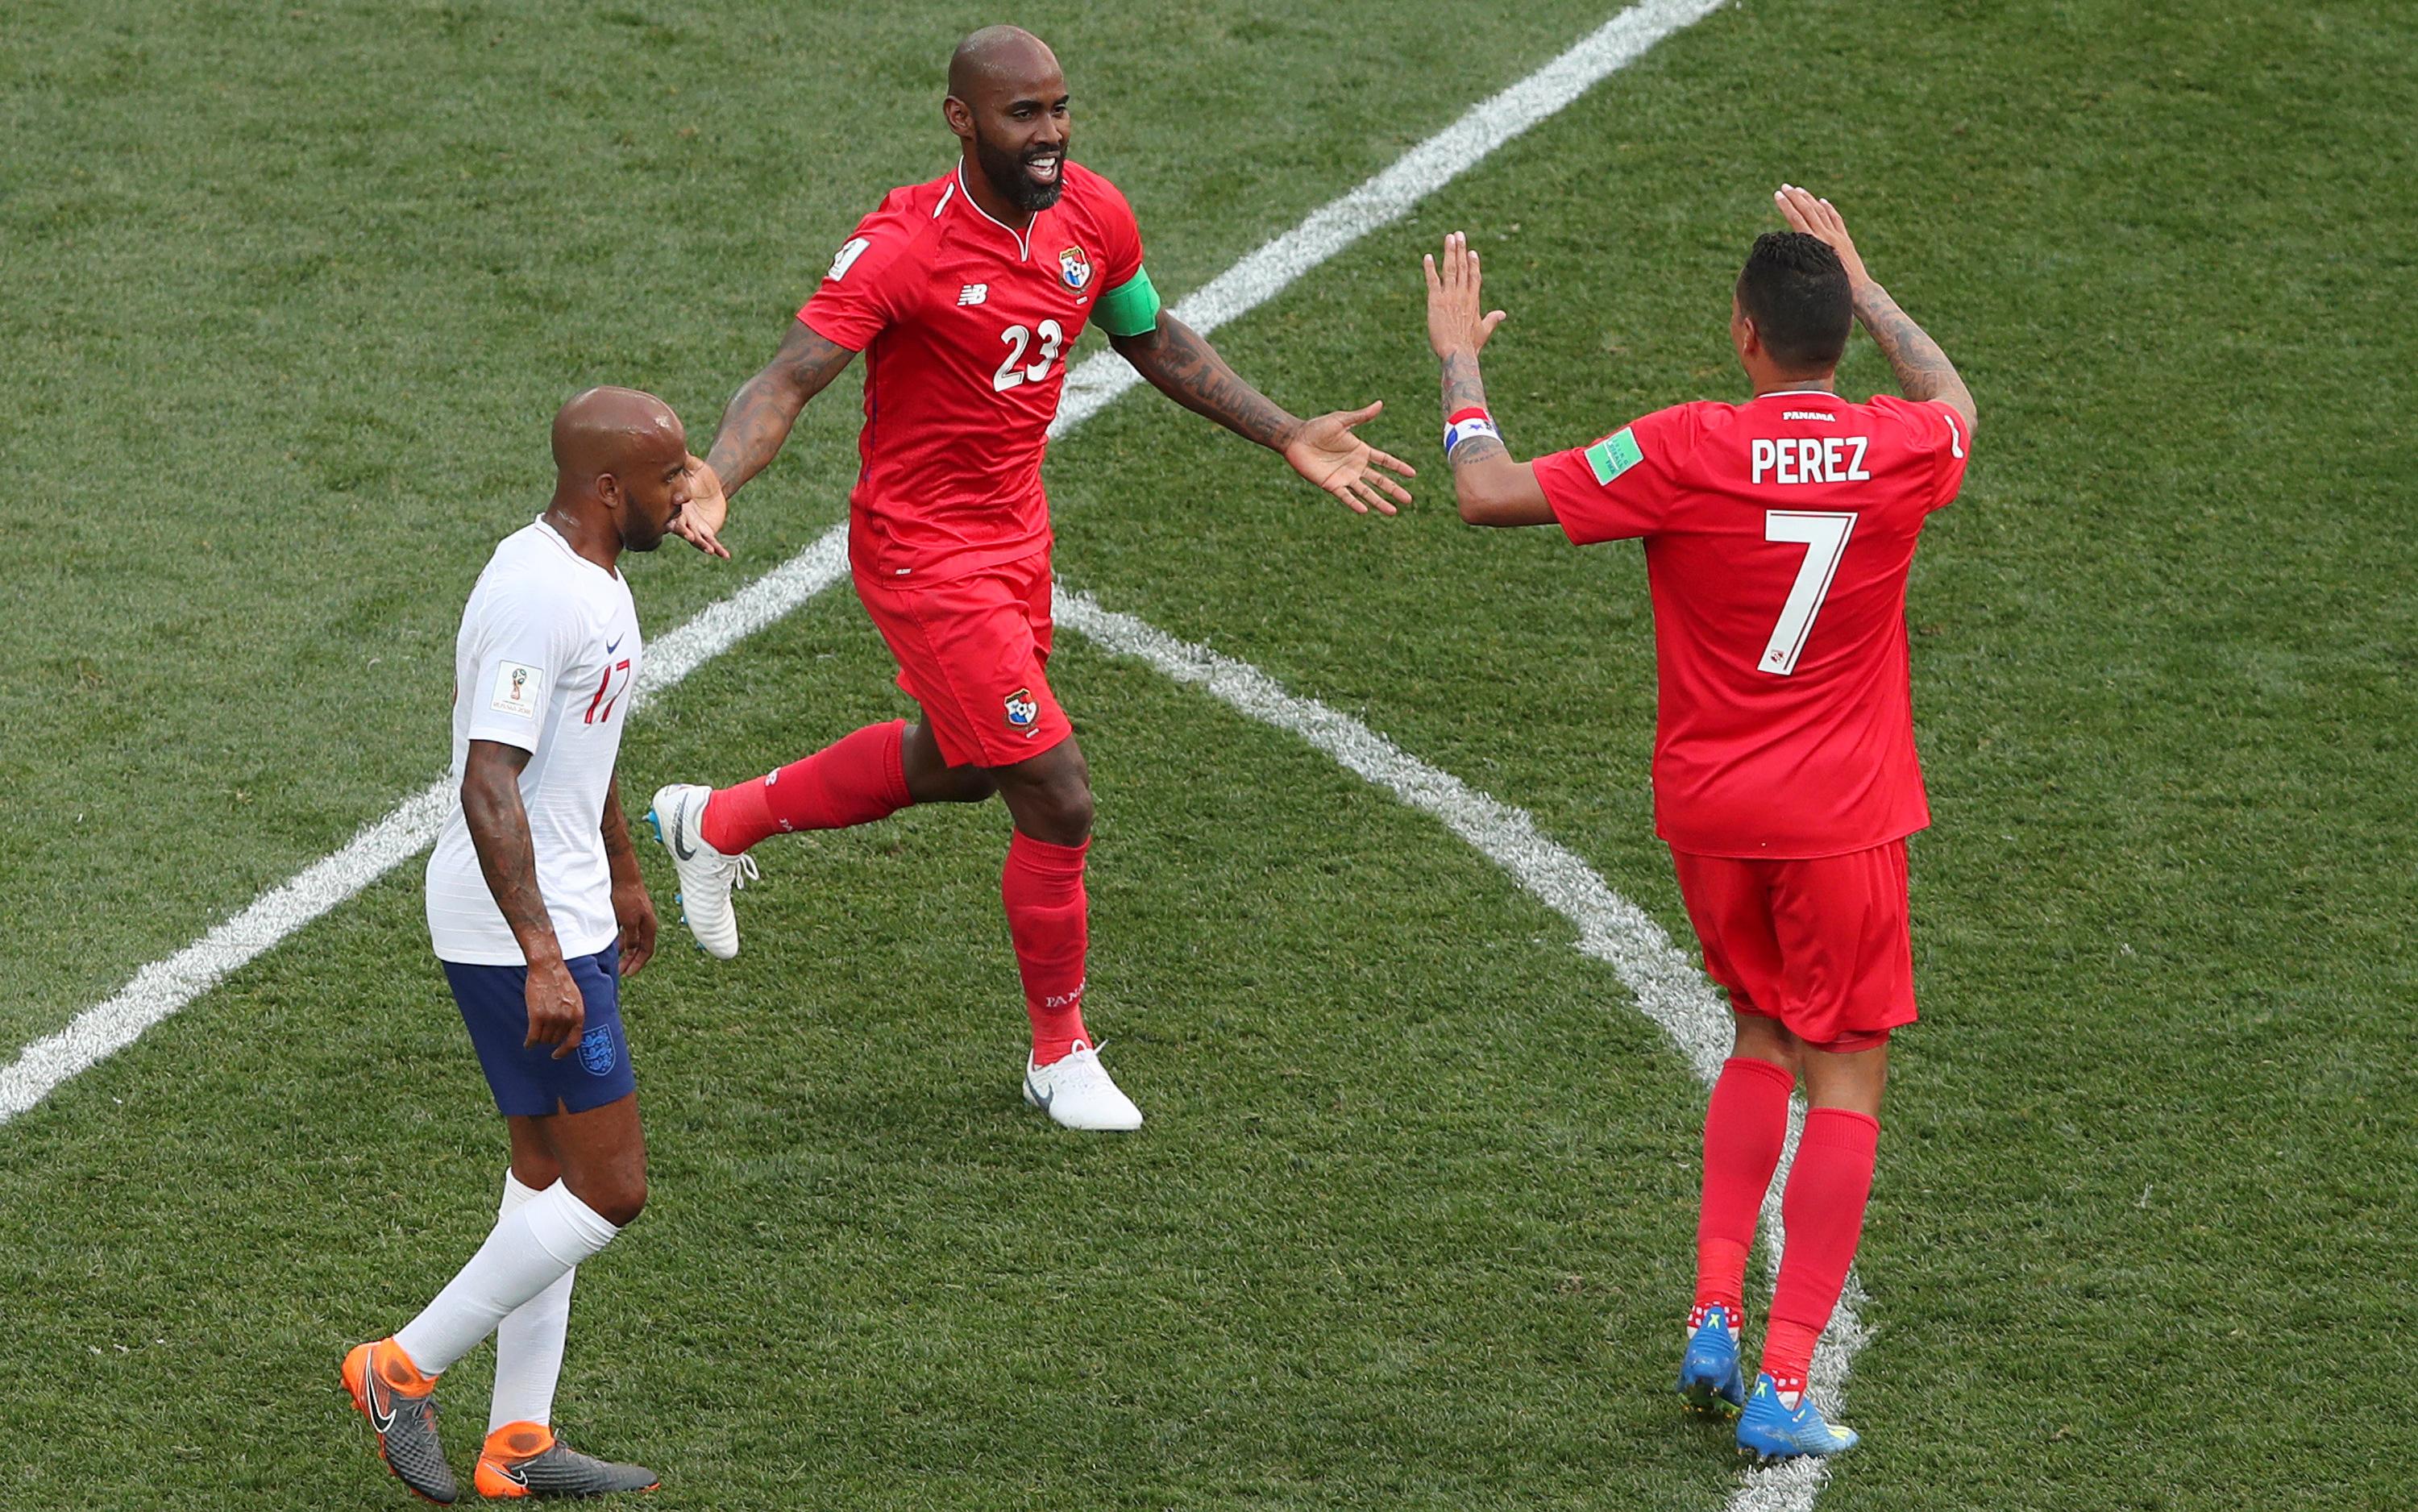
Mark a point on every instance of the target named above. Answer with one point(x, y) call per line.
point(1022, 708)
point(1075, 269)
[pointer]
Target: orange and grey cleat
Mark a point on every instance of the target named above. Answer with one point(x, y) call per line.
point(401, 1405)
point(527, 1460)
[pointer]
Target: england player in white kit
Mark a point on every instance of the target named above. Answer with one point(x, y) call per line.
point(536, 909)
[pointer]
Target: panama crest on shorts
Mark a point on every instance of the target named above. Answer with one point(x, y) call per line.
point(1022, 708)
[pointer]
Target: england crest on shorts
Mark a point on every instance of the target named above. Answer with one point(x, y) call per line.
point(1075, 269)
point(597, 1051)
point(1022, 708)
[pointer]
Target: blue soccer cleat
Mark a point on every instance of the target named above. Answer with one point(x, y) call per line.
point(1770, 1430)
point(1709, 1379)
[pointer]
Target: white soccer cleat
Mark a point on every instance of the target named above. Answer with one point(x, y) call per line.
point(706, 876)
point(1077, 1092)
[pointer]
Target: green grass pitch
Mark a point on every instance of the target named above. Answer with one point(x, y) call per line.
point(288, 294)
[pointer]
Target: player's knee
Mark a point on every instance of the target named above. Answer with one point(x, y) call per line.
point(1072, 804)
point(620, 1200)
point(1060, 813)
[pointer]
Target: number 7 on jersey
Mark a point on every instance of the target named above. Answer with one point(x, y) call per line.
point(1825, 539)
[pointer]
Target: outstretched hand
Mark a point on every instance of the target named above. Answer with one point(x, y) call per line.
point(1455, 321)
point(1820, 218)
point(699, 521)
point(1326, 452)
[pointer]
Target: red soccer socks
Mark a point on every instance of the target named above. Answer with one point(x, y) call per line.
point(1049, 917)
point(1823, 1210)
point(1745, 1126)
point(854, 780)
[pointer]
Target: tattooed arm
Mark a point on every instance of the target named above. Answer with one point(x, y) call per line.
point(753, 428)
point(1923, 372)
point(1490, 486)
point(500, 832)
point(1180, 364)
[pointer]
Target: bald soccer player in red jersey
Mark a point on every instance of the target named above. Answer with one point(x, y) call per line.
point(1778, 534)
point(966, 296)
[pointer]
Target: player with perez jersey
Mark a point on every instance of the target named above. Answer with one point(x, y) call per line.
point(1778, 534)
point(537, 910)
point(966, 296)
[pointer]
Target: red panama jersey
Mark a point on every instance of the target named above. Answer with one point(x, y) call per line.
point(965, 323)
point(1778, 534)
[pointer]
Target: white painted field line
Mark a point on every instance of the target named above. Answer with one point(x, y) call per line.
point(164, 987)
point(1668, 988)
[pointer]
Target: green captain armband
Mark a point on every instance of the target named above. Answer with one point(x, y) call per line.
point(1130, 309)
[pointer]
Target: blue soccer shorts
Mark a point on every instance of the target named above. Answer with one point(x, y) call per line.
point(527, 1080)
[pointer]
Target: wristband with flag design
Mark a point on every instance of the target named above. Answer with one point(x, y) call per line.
point(1461, 424)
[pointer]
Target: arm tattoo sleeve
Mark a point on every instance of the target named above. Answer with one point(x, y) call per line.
point(1182, 365)
point(1464, 389)
point(761, 412)
point(500, 832)
point(1922, 370)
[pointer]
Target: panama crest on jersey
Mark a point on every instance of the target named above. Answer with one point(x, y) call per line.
point(1022, 708)
point(1075, 269)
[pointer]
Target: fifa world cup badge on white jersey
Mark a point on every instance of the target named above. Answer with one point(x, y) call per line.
point(1075, 269)
point(518, 690)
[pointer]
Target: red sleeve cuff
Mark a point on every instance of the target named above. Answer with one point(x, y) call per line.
point(840, 331)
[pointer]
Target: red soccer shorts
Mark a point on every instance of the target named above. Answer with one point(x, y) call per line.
point(972, 651)
point(1822, 945)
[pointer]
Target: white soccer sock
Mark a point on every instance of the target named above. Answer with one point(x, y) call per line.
point(528, 1343)
point(530, 1249)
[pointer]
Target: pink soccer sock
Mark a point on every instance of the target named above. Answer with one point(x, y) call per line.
point(1823, 1210)
point(855, 780)
point(1049, 917)
point(1745, 1126)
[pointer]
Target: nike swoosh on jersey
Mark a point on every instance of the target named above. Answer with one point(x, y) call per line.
point(615, 646)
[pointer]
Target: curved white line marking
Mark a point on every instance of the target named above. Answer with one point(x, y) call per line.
point(165, 987)
point(1668, 988)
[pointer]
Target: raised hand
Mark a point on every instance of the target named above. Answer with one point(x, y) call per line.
point(1455, 321)
point(1326, 452)
point(699, 521)
point(1820, 218)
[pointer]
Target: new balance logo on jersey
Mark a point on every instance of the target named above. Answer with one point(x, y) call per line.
point(974, 294)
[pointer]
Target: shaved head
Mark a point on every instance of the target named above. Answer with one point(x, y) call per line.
point(997, 53)
point(599, 431)
point(1007, 106)
point(621, 465)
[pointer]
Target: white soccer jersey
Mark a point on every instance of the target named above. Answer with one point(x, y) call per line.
point(544, 661)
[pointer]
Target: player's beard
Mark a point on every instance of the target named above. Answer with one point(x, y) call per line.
point(1004, 171)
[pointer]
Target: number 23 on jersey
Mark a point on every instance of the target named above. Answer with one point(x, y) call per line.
point(1015, 369)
